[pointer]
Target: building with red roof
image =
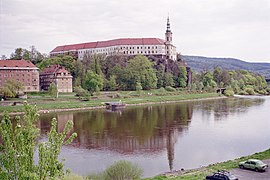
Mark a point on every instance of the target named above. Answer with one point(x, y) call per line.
point(20, 70)
point(125, 46)
point(59, 76)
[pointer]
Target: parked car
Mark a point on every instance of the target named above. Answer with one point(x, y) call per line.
point(253, 164)
point(221, 175)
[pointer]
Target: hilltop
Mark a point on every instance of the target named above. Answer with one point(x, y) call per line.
point(199, 63)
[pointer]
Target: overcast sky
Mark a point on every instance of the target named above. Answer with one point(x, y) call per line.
point(214, 28)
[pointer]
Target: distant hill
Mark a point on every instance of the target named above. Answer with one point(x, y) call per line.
point(199, 63)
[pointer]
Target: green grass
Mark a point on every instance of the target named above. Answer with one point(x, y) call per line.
point(70, 101)
point(203, 172)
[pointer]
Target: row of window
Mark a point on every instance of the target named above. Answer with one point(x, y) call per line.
point(122, 48)
point(139, 52)
point(18, 70)
point(33, 80)
point(29, 83)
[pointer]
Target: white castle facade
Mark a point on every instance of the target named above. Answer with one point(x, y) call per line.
point(124, 46)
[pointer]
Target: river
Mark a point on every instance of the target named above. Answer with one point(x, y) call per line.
point(161, 138)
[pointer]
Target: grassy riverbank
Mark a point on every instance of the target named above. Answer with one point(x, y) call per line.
point(70, 101)
point(201, 173)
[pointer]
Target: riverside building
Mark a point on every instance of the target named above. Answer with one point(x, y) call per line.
point(125, 46)
point(21, 70)
point(59, 76)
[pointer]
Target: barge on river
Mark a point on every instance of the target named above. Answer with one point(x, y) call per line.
point(115, 105)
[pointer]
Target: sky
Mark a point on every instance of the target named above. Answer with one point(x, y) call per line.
point(212, 28)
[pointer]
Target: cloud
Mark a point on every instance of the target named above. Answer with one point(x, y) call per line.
point(226, 28)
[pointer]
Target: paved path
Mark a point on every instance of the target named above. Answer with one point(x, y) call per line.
point(252, 175)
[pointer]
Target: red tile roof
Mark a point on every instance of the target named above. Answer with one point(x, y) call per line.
point(114, 42)
point(16, 63)
point(54, 69)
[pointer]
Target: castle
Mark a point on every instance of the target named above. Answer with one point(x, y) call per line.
point(125, 46)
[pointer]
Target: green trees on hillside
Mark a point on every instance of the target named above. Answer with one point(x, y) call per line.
point(235, 81)
point(31, 54)
point(139, 70)
point(64, 60)
point(120, 73)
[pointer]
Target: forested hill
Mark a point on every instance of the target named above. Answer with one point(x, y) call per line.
point(199, 63)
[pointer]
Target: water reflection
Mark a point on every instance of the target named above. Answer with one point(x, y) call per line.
point(165, 131)
point(136, 130)
point(224, 107)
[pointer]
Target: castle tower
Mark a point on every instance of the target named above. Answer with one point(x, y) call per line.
point(168, 34)
point(170, 48)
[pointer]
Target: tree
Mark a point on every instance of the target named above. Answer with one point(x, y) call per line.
point(11, 88)
point(17, 55)
point(82, 93)
point(95, 64)
point(93, 82)
point(35, 56)
point(79, 73)
point(182, 79)
point(19, 143)
point(53, 91)
point(160, 73)
point(111, 84)
point(140, 70)
point(63, 60)
point(168, 79)
point(207, 78)
point(217, 75)
point(3, 57)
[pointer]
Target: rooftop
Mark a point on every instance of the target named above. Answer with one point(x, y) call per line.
point(114, 42)
point(52, 69)
point(16, 63)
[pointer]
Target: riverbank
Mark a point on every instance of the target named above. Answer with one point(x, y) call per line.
point(46, 105)
point(201, 173)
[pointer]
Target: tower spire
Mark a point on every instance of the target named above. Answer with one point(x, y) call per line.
point(168, 25)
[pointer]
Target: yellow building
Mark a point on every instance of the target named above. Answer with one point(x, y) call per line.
point(59, 76)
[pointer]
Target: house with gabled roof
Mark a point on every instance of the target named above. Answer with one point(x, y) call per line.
point(58, 75)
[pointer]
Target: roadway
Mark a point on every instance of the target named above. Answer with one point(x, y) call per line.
point(252, 175)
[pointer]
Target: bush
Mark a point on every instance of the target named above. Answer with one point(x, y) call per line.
point(82, 93)
point(243, 93)
point(263, 92)
point(119, 170)
point(161, 90)
point(169, 88)
point(123, 170)
point(249, 91)
point(228, 92)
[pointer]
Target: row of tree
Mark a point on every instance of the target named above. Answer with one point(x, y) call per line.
point(235, 82)
point(118, 72)
point(98, 72)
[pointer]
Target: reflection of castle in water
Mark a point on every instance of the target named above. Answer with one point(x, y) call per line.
point(139, 130)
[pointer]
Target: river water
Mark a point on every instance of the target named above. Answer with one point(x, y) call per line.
point(161, 138)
